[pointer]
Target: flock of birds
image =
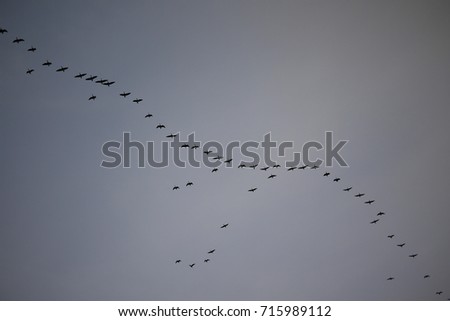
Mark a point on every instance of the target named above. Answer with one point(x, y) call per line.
point(125, 94)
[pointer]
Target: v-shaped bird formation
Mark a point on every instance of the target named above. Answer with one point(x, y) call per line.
point(208, 255)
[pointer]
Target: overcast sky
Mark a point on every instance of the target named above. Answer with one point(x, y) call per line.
point(376, 73)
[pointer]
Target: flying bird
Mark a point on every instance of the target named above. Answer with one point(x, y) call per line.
point(439, 292)
point(391, 236)
point(175, 188)
point(347, 189)
point(32, 49)
point(137, 101)
point(225, 225)
point(369, 202)
point(207, 152)
point(125, 94)
point(326, 174)
point(359, 195)
point(177, 261)
point(218, 157)
point(185, 146)
point(381, 213)
point(91, 78)
point(303, 167)
point(189, 184)
point(2, 31)
point(62, 69)
point(47, 63)
point(206, 260)
point(192, 265)
point(92, 97)
point(276, 166)
point(374, 221)
point(101, 81)
point(291, 168)
point(29, 71)
point(241, 166)
point(148, 116)
point(337, 179)
point(253, 166)
point(171, 136)
point(390, 279)
point(401, 245)
point(195, 147)
point(212, 251)
point(315, 167)
point(413, 255)
point(214, 170)
point(264, 168)
point(272, 176)
point(426, 276)
point(160, 126)
point(18, 40)
point(109, 83)
point(253, 189)
point(80, 75)
point(228, 161)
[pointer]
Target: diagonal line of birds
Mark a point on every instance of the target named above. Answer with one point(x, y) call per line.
point(207, 256)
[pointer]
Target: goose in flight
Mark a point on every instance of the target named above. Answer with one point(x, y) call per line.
point(137, 101)
point(175, 188)
point(303, 167)
point(47, 63)
point(390, 279)
point(101, 81)
point(241, 166)
point(218, 157)
point(212, 251)
point(253, 166)
point(381, 213)
point(315, 167)
point(276, 166)
point(172, 136)
point(401, 245)
point(253, 189)
point(80, 75)
point(63, 69)
point(374, 221)
point(206, 260)
point(109, 83)
point(347, 189)
point(2, 31)
point(291, 168)
point(192, 265)
point(391, 236)
point(91, 78)
point(439, 292)
point(29, 71)
point(337, 179)
point(207, 152)
point(265, 168)
point(228, 161)
point(195, 147)
point(32, 49)
point(426, 276)
point(125, 94)
point(326, 174)
point(413, 255)
point(185, 146)
point(214, 170)
point(92, 97)
point(272, 176)
point(360, 195)
point(369, 202)
point(160, 126)
point(148, 116)
point(225, 225)
point(18, 40)
point(177, 261)
point(189, 184)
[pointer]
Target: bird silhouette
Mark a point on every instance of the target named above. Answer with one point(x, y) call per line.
point(253, 189)
point(413, 255)
point(401, 245)
point(426, 276)
point(92, 97)
point(185, 146)
point(241, 166)
point(206, 260)
point(272, 176)
point(214, 170)
point(207, 152)
point(212, 251)
point(359, 195)
point(347, 189)
point(265, 168)
point(315, 167)
point(224, 225)
point(374, 221)
point(101, 81)
point(160, 126)
point(195, 147)
point(291, 168)
point(148, 116)
point(2, 31)
point(391, 236)
point(18, 40)
point(303, 167)
point(192, 265)
point(62, 69)
point(439, 292)
point(29, 71)
point(189, 184)
point(390, 279)
point(91, 78)
point(326, 174)
point(171, 136)
point(80, 75)
point(177, 261)
point(31, 49)
point(137, 101)
point(47, 63)
point(109, 83)
point(337, 179)
point(175, 188)
point(369, 202)
point(381, 213)
point(276, 166)
point(228, 161)
point(125, 94)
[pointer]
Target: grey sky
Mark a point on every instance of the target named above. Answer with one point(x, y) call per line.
point(373, 72)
